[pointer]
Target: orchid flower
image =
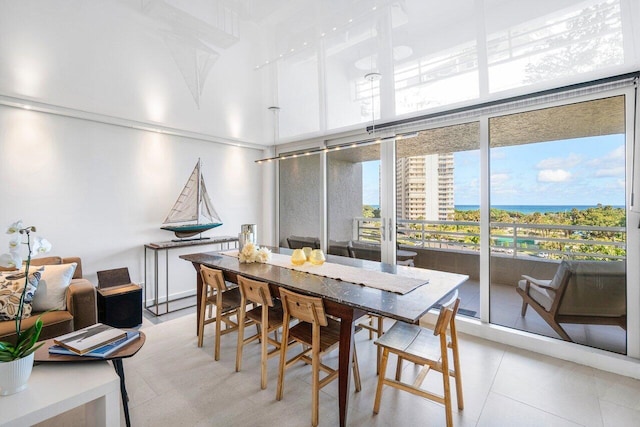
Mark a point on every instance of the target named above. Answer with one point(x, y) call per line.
point(14, 242)
point(15, 227)
point(10, 260)
point(40, 246)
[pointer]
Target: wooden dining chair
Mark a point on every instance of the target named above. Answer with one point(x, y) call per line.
point(268, 315)
point(374, 323)
point(226, 301)
point(428, 349)
point(319, 335)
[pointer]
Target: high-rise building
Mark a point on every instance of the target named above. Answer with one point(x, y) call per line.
point(424, 187)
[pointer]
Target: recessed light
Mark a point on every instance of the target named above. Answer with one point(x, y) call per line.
point(322, 35)
point(350, 20)
point(335, 28)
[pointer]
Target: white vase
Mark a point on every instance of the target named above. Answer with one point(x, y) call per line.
point(15, 374)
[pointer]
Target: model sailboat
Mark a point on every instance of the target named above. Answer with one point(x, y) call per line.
point(193, 204)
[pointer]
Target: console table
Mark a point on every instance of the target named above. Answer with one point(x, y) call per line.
point(55, 389)
point(157, 307)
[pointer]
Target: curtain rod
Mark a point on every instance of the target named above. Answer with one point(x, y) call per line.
point(379, 126)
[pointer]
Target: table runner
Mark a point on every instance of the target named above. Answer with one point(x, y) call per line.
point(405, 281)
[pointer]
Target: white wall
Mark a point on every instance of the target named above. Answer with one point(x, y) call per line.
point(110, 57)
point(101, 192)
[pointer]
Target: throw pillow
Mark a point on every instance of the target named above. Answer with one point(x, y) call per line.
point(52, 289)
point(11, 287)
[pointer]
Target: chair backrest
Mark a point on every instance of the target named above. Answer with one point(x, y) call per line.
point(366, 251)
point(297, 242)
point(447, 315)
point(591, 288)
point(255, 291)
point(213, 278)
point(306, 308)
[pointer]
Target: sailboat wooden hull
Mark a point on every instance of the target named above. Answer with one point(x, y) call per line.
point(189, 230)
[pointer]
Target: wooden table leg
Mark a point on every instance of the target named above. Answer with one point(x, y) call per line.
point(198, 294)
point(345, 359)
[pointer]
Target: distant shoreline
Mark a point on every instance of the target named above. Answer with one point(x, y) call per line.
point(529, 209)
point(526, 209)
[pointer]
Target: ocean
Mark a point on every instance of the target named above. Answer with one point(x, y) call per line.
point(529, 209)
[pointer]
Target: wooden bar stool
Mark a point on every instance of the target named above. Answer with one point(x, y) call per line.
point(319, 334)
point(431, 350)
point(227, 301)
point(268, 315)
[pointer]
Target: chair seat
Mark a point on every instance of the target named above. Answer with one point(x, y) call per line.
point(329, 335)
point(542, 296)
point(411, 339)
point(231, 300)
point(275, 315)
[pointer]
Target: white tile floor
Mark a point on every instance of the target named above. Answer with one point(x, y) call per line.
point(172, 382)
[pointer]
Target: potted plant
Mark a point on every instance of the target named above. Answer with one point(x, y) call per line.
point(16, 360)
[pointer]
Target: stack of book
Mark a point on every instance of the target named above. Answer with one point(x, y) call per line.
point(97, 340)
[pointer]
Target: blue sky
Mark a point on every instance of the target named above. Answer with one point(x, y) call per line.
point(582, 171)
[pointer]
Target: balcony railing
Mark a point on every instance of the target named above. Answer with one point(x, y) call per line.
point(514, 239)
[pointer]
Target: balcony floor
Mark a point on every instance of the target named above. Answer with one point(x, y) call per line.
point(505, 311)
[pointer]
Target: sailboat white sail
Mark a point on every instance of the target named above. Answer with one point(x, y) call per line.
point(193, 204)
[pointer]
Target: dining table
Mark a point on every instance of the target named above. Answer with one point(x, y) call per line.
point(345, 300)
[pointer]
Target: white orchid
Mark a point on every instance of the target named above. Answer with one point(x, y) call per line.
point(40, 246)
point(15, 241)
point(17, 231)
point(25, 340)
point(11, 260)
point(15, 227)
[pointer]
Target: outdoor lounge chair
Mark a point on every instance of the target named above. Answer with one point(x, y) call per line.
point(585, 292)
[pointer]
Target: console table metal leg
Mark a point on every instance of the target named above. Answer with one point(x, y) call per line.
point(117, 365)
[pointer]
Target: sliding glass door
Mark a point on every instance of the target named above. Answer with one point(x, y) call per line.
point(531, 204)
point(438, 204)
point(558, 222)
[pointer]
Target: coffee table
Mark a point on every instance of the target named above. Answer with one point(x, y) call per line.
point(55, 389)
point(43, 356)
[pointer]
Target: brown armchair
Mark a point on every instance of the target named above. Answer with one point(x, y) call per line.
point(585, 292)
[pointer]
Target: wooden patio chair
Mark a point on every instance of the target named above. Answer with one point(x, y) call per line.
point(583, 292)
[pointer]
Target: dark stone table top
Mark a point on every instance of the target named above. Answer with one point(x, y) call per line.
point(408, 307)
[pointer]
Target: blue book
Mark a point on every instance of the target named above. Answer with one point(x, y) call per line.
point(101, 352)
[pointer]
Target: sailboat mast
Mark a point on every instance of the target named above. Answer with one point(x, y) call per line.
point(199, 191)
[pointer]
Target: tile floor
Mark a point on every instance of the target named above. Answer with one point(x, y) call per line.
point(172, 382)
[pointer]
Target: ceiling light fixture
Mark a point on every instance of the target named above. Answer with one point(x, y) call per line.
point(373, 77)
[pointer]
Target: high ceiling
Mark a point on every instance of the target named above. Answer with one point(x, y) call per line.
point(213, 67)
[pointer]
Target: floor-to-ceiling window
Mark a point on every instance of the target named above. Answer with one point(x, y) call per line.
point(438, 201)
point(547, 186)
point(353, 202)
point(557, 190)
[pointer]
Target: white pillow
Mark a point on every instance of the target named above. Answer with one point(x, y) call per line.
point(52, 288)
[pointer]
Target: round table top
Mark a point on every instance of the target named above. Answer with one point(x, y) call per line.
point(42, 354)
